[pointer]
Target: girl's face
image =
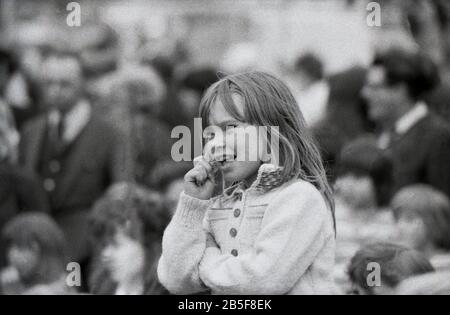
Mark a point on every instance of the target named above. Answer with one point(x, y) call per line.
point(23, 259)
point(238, 143)
point(412, 231)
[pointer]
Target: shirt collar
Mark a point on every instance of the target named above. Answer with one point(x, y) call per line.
point(412, 117)
point(74, 121)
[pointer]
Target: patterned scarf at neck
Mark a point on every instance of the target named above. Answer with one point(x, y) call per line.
point(269, 177)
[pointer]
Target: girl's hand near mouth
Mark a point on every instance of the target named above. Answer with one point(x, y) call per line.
point(199, 182)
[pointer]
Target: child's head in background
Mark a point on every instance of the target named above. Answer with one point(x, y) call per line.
point(423, 217)
point(36, 248)
point(126, 226)
point(378, 268)
point(252, 100)
point(363, 174)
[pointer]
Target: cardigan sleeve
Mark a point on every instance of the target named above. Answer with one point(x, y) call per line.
point(292, 234)
point(183, 246)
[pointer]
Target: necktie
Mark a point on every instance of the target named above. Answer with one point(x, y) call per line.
point(56, 136)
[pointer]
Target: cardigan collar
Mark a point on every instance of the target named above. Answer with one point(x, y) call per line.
point(269, 177)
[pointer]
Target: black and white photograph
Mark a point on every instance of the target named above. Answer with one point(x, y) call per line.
point(245, 149)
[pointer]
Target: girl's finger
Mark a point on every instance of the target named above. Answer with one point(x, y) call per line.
point(202, 175)
point(196, 175)
point(191, 176)
point(205, 165)
point(197, 160)
point(201, 161)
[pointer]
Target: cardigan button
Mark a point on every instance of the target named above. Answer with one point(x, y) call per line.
point(49, 185)
point(237, 212)
point(233, 232)
point(54, 166)
point(234, 252)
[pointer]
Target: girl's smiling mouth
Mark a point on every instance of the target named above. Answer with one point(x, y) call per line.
point(223, 161)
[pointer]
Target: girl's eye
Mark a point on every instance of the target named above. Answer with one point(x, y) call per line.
point(231, 126)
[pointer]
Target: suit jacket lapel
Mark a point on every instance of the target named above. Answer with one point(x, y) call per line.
point(396, 138)
point(79, 149)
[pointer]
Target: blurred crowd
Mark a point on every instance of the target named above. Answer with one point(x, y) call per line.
point(87, 174)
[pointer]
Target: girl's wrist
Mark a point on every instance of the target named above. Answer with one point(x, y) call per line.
point(191, 211)
point(196, 196)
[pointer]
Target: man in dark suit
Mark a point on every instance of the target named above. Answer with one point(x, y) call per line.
point(416, 140)
point(77, 155)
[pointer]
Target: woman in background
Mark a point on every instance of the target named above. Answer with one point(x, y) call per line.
point(136, 94)
point(36, 250)
point(127, 225)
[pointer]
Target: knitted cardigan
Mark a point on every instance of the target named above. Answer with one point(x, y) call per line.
point(269, 239)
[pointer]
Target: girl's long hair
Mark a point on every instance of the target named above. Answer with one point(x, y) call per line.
point(268, 102)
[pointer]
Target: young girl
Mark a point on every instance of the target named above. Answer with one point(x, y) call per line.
point(271, 231)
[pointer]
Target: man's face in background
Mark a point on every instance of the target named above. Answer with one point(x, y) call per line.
point(382, 98)
point(303, 80)
point(62, 85)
